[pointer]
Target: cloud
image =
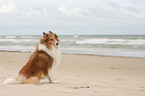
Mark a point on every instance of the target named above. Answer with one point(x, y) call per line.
point(10, 7)
point(72, 14)
point(62, 8)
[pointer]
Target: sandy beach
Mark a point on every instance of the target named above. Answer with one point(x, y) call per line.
point(78, 75)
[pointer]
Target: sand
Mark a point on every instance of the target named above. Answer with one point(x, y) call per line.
point(78, 75)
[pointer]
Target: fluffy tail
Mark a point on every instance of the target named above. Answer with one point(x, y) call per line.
point(11, 81)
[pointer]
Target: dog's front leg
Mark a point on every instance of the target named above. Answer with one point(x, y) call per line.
point(50, 76)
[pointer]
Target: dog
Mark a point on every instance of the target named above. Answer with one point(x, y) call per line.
point(42, 63)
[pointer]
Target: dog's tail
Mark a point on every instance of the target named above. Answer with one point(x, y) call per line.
point(11, 81)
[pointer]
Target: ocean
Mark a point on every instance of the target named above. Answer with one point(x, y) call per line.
point(108, 45)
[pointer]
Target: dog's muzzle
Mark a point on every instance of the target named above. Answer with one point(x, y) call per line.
point(57, 43)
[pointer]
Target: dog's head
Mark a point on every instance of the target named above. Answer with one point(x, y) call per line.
point(50, 39)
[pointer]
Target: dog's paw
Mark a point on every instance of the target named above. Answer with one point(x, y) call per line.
point(53, 82)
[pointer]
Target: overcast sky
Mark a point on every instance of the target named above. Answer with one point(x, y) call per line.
point(32, 17)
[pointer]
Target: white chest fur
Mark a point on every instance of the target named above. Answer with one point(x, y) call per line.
point(54, 53)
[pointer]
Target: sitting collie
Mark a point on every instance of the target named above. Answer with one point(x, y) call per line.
point(42, 63)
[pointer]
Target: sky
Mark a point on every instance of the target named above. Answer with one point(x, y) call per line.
point(72, 17)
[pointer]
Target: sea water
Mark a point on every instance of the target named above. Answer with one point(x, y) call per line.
point(110, 45)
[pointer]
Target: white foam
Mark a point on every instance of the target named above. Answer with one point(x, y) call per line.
point(17, 40)
point(10, 37)
point(26, 37)
point(18, 48)
point(110, 41)
point(76, 36)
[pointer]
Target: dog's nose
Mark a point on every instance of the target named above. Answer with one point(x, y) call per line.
point(57, 43)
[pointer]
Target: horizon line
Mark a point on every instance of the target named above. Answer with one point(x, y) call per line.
point(67, 34)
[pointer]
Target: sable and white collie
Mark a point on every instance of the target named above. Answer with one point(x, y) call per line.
point(42, 63)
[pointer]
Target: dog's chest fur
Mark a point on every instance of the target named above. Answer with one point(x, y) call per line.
point(54, 53)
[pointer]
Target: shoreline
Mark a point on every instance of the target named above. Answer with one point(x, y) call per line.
point(78, 54)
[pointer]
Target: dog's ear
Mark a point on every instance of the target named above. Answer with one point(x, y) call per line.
point(50, 32)
point(45, 35)
point(56, 37)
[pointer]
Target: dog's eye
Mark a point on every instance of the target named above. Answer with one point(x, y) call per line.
point(51, 39)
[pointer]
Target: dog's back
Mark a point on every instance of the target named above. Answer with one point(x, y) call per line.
point(38, 65)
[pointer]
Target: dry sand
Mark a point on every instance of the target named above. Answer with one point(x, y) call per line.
point(78, 75)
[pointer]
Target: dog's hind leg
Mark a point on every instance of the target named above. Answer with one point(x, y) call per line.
point(32, 80)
